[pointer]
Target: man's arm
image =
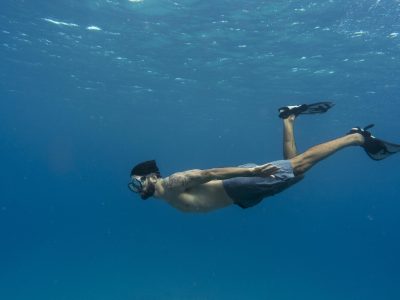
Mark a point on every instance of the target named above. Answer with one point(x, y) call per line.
point(184, 180)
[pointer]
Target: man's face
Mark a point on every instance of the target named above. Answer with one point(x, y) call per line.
point(143, 186)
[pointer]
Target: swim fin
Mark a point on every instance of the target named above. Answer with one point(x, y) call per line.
point(376, 149)
point(305, 109)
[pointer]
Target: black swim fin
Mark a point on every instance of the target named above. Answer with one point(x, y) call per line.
point(305, 109)
point(376, 149)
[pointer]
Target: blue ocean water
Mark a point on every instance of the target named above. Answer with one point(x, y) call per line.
point(90, 88)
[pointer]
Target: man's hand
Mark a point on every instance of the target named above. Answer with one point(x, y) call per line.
point(265, 170)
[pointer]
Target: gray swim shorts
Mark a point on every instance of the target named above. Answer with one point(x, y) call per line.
point(249, 191)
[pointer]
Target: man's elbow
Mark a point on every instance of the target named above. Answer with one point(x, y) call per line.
point(209, 174)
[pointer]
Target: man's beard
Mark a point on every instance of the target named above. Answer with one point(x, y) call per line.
point(149, 191)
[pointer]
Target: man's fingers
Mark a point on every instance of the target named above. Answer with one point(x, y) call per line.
point(266, 170)
point(269, 169)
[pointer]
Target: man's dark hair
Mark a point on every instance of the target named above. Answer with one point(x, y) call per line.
point(146, 168)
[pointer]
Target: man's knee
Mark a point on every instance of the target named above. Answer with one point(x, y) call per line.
point(299, 165)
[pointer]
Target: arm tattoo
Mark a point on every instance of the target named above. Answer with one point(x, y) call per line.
point(176, 181)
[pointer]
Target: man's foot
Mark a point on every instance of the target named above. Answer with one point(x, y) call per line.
point(290, 119)
point(376, 149)
point(304, 109)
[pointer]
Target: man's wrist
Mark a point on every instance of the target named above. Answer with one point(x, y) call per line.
point(253, 171)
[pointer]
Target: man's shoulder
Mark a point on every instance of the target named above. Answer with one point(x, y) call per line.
point(174, 181)
point(179, 182)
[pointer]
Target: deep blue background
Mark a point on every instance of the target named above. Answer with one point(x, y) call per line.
point(194, 84)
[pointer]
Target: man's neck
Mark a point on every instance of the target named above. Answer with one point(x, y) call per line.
point(159, 193)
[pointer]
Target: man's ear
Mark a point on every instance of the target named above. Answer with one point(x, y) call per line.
point(153, 177)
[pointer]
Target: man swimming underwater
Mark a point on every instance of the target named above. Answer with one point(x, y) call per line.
point(247, 185)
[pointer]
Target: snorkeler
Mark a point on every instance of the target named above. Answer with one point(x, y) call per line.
point(247, 185)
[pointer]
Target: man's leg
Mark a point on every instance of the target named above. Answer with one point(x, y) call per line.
point(289, 144)
point(303, 162)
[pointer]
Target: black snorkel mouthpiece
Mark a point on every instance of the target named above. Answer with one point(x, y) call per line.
point(146, 168)
point(149, 192)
